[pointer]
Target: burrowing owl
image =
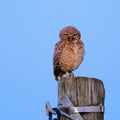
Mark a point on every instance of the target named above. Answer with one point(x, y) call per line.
point(68, 52)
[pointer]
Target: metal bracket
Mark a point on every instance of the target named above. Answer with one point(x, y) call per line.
point(49, 109)
point(68, 110)
point(64, 108)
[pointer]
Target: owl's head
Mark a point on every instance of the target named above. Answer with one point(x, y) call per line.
point(70, 33)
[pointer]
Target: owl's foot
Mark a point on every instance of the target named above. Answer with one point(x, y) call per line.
point(70, 74)
point(58, 78)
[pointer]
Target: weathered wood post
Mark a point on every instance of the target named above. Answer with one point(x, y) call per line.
point(83, 91)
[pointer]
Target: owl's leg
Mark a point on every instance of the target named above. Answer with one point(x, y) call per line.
point(58, 78)
point(70, 74)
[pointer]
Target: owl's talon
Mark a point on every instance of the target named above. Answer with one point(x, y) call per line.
point(70, 74)
point(58, 78)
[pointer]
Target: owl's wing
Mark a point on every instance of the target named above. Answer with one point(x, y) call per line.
point(57, 54)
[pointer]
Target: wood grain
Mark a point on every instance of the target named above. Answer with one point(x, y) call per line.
point(83, 91)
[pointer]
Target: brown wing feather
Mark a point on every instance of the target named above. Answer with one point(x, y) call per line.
point(57, 54)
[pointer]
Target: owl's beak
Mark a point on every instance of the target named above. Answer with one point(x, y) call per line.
point(70, 38)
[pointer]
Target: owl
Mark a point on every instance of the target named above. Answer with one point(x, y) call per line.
point(68, 52)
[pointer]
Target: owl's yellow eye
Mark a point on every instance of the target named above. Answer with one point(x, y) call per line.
point(75, 35)
point(65, 35)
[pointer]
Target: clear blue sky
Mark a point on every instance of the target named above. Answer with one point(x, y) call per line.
point(28, 32)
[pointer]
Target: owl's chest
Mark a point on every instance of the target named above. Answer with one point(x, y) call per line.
point(71, 51)
point(70, 57)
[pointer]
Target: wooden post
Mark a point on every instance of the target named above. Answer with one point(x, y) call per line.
point(83, 91)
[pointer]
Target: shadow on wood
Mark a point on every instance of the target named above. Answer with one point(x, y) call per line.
point(83, 91)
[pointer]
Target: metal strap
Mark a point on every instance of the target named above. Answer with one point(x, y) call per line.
point(82, 109)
